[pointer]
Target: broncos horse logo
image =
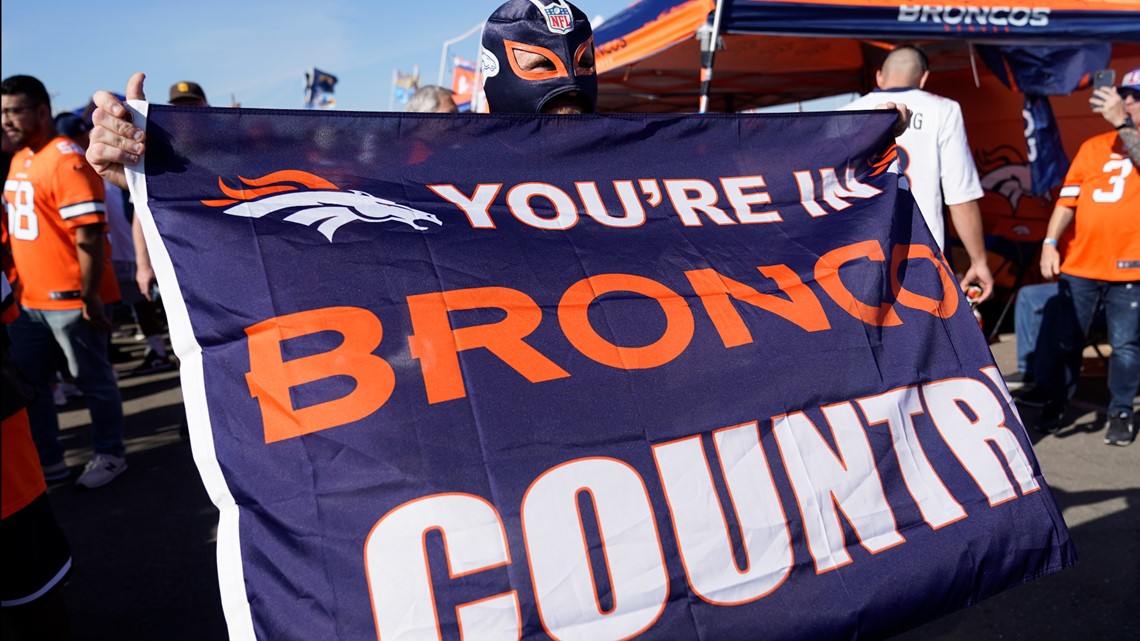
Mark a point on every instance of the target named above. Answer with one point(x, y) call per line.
point(1006, 173)
point(312, 200)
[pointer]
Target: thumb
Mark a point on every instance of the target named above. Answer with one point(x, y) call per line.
point(135, 86)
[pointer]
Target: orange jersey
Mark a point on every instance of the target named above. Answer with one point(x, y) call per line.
point(49, 194)
point(1104, 187)
point(23, 479)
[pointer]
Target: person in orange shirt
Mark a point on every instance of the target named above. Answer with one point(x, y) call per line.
point(1102, 194)
point(35, 553)
point(55, 229)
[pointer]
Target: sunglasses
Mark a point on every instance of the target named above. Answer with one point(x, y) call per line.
point(1126, 92)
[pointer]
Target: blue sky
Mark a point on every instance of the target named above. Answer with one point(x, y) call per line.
point(256, 50)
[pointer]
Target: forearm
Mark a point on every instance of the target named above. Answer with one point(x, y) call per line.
point(1050, 254)
point(142, 256)
point(1060, 220)
point(1130, 136)
point(89, 242)
point(967, 220)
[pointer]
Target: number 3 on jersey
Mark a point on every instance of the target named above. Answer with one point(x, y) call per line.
point(22, 221)
point(1121, 169)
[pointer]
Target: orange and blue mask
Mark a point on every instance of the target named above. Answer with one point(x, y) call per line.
point(535, 51)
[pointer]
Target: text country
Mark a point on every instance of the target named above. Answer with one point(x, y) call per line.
point(728, 201)
point(830, 484)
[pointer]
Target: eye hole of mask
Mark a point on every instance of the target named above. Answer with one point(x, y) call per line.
point(584, 58)
point(531, 62)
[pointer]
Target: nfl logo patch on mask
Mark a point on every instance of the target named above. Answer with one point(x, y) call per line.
point(558, 16)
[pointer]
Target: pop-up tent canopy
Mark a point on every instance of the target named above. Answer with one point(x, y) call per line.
point(649, 54)
point(649, 60)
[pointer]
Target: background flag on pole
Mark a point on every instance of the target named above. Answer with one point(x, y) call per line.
point(463, 82)
point(404, 85)
point(319, 87)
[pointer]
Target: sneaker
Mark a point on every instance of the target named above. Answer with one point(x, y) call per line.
point(1050, 420)
point(1121, 429)
point(56, 472)
point(101, 470)
point(153, 363)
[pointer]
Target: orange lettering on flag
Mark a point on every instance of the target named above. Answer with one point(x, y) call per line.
point(436, 344)
point(943, 308)
point(575, 303)
point(714, 288)
point(827, 274)
point(270, 377)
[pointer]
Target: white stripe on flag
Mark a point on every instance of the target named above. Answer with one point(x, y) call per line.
point(79, 209)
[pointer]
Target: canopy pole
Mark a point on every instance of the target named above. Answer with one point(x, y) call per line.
point(708, 52)
point(447, 45)
point(974, 66)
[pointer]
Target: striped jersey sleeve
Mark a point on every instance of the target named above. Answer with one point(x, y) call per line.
point(78, 189)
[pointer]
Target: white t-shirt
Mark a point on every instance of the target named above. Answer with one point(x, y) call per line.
point(937, 163)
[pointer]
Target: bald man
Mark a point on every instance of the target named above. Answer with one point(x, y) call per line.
point(935, 157)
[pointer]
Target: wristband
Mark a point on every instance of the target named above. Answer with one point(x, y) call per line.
point(1050, 241)
point(1127, 124)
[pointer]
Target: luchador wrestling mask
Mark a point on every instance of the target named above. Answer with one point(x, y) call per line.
point(535, 51)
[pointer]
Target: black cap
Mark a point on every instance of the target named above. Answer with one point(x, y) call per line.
point(186, 91)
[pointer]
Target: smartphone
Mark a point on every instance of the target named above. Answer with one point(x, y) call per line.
point(1104, 78)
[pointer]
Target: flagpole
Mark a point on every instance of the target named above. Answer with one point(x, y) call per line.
point(447, 45)
point(392, 91)
point(310, 77)
point(708, 52)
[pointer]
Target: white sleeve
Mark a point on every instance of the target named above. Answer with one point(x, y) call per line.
point(860, 103)
point(960, 182)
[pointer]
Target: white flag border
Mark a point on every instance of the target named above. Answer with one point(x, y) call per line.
point(231, 574)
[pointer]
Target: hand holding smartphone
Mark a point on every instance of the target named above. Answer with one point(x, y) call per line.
point(1102, 78)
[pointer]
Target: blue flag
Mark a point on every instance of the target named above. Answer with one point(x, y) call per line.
point(1038, 72)
point(404, 86)
point(319, 88)
point(663, 377)
point(1048, 163)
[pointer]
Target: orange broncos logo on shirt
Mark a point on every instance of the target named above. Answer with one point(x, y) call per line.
point(312, 200)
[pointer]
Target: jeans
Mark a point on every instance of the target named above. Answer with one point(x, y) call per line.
point(1027, 319)
point(34, 335)
point(1078, 297)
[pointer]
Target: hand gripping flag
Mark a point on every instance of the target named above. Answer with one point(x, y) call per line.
point(581, 378)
